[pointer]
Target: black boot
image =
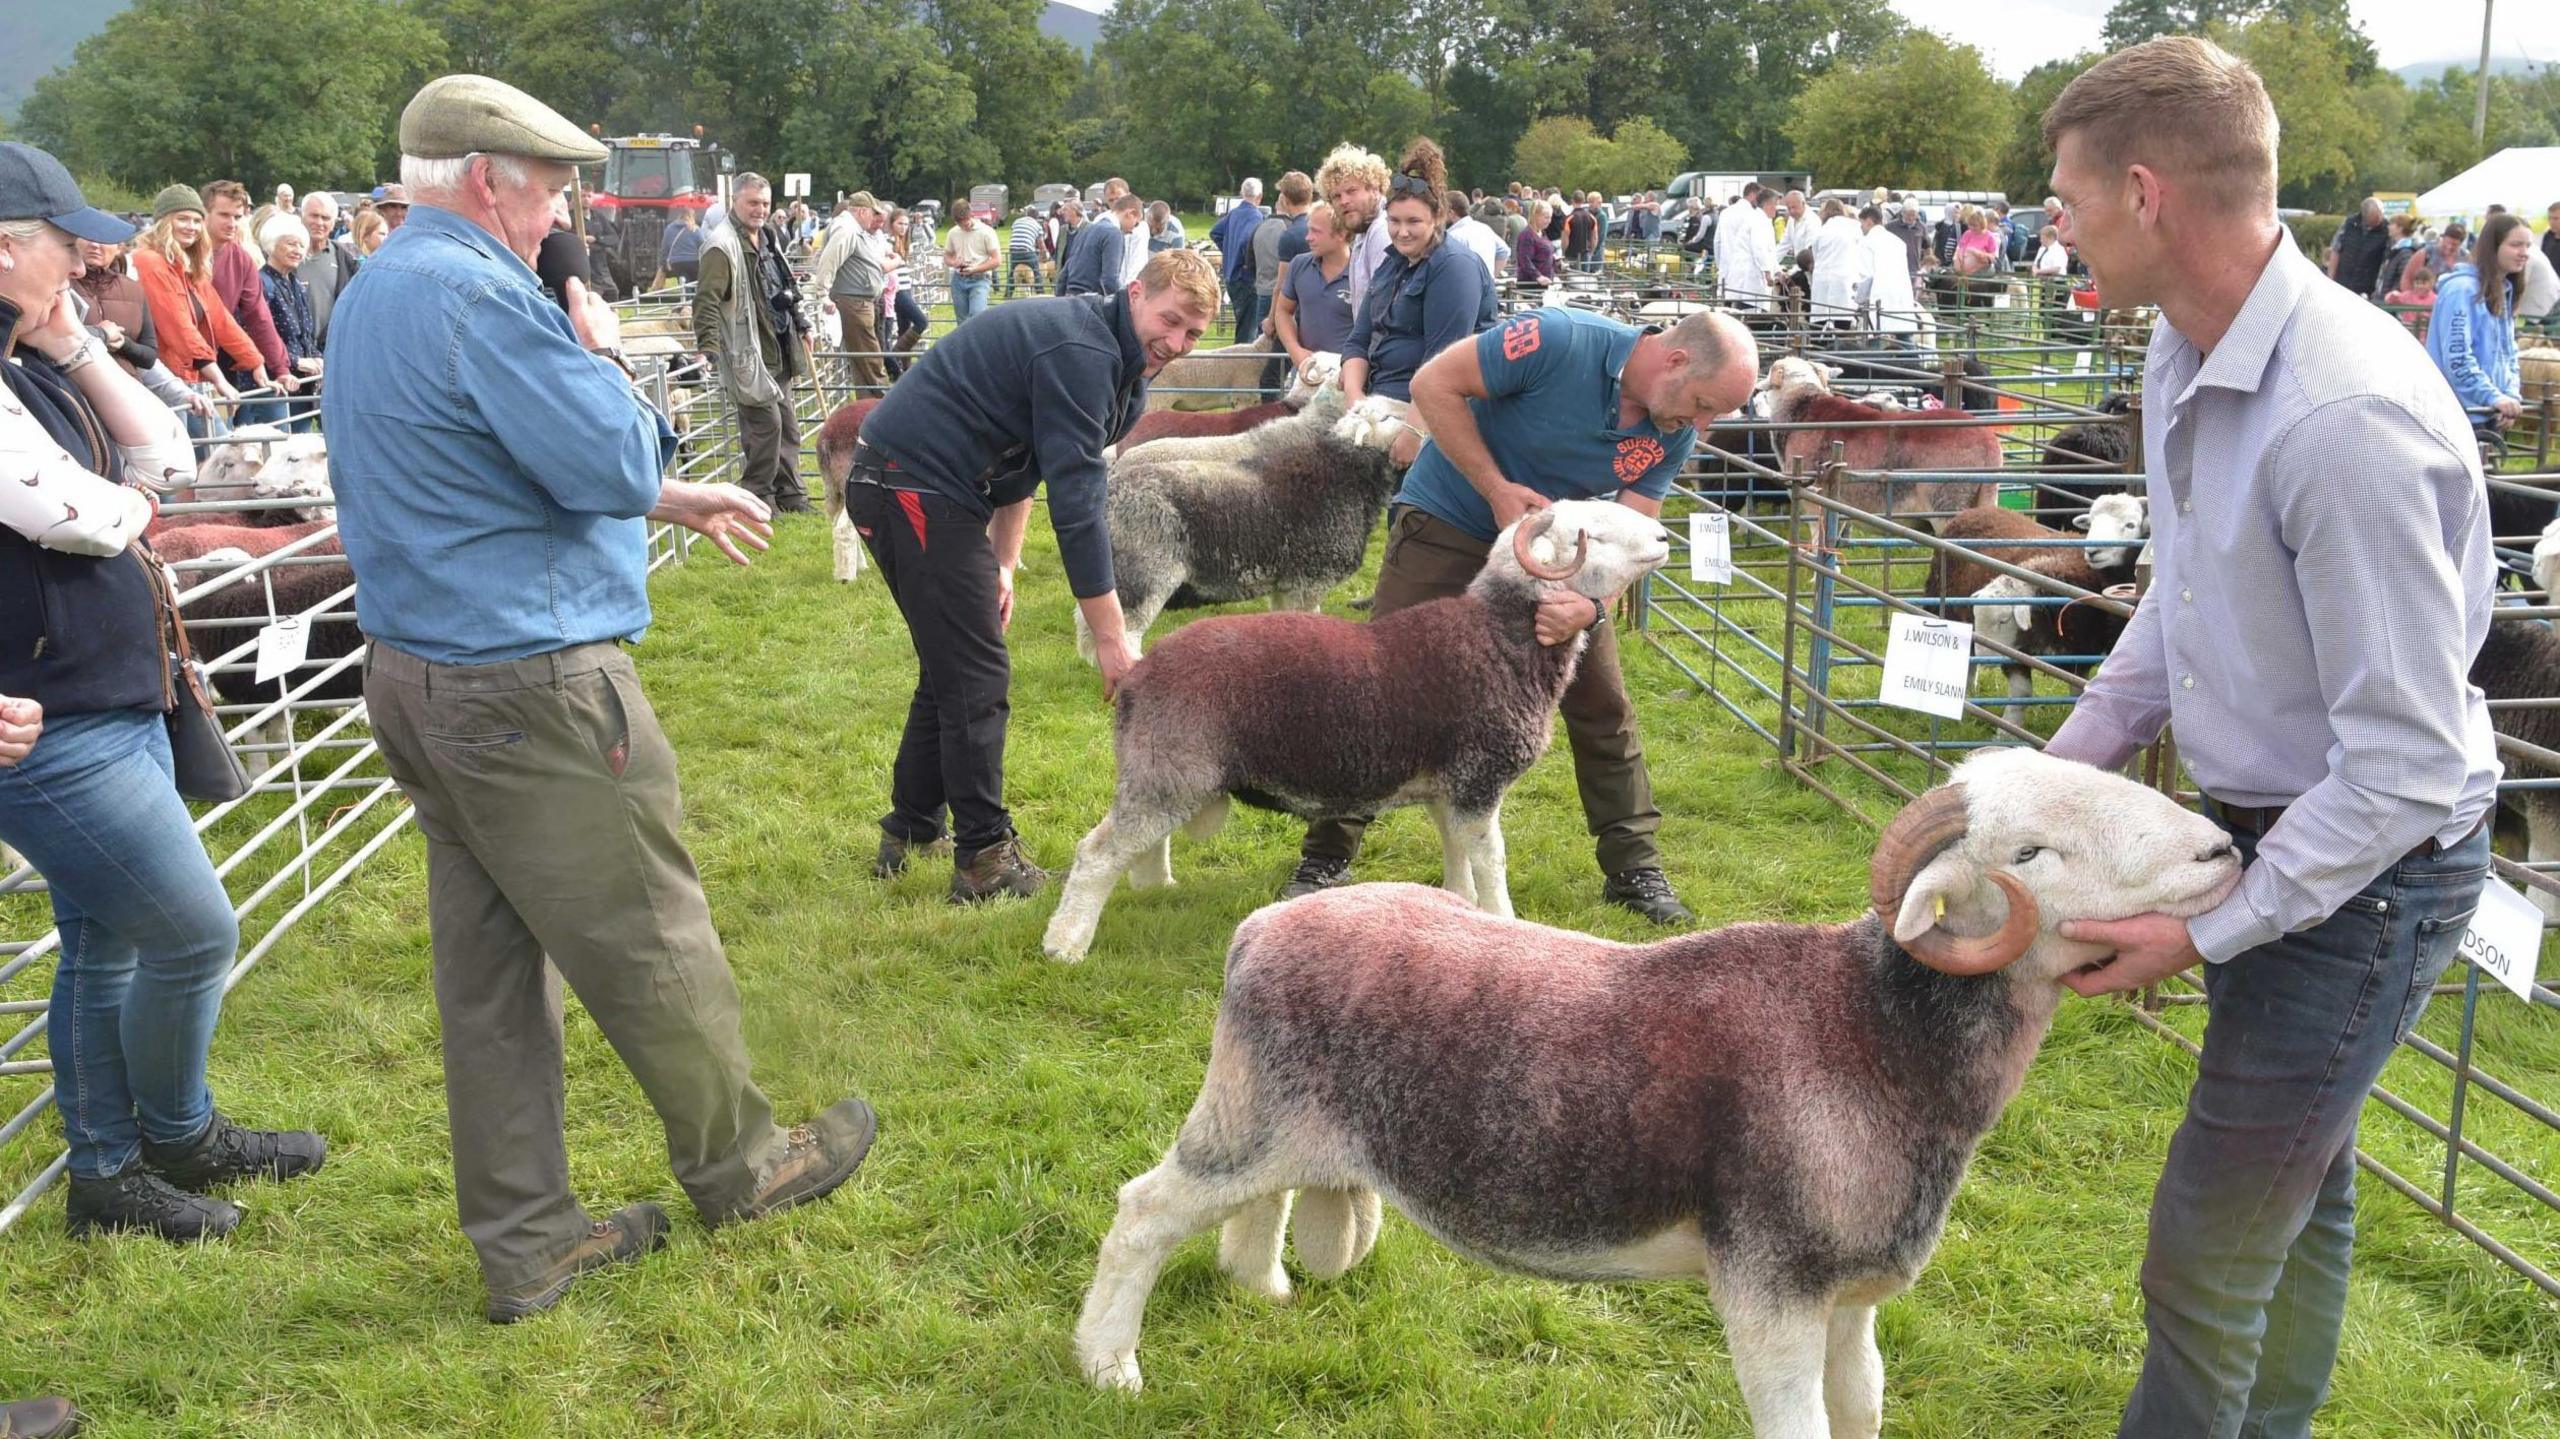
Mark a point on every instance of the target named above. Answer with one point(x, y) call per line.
point(51, 1417)
point(141, 1200)
point(1648, 893)
point(225, 1152)
point(1314, 874)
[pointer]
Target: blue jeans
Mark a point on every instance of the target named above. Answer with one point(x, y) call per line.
point(1248, 309)
point(147, 932)
point(969, 296)
point(2253, 1223)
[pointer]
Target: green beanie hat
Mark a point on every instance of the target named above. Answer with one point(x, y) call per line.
point(177, 197)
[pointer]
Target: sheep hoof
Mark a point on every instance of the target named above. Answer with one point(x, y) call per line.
point(1114, 1371)
point(1273, 1286)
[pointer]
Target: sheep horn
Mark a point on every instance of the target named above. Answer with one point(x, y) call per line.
point(1526, 534)
point(1918, 835)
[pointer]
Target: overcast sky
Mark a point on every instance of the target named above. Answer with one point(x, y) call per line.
point(2017, 35)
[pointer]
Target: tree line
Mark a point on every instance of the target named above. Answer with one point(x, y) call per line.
point(1186, 97)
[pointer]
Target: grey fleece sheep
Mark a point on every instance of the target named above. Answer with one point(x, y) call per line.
point(1444, 704)
point(1284, 510)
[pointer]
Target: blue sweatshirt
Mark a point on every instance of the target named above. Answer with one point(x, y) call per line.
point(1024, 393)
point(1091, 265)
point(2476, 350)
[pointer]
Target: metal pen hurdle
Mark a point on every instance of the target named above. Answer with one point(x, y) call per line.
point(320, 804)
point(1785, 647)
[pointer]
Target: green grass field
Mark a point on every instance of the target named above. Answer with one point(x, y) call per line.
point(934, 1296)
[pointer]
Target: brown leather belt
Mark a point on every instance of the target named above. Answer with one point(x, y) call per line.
point(2256, 820)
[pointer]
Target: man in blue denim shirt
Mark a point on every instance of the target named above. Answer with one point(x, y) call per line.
point(492, 478)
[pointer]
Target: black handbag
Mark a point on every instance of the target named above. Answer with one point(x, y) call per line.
point(207, 769)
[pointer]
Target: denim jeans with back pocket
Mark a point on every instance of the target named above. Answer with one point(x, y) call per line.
point(2253, 1222)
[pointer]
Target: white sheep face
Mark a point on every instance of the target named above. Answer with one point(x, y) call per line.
point(2546, 558)
point(1374, 423)
point(298, 468)
point(2086, 842)
point(1790, 373)
point(229, 469)
point(2124, 518)
point(1321, 369)
point(1997, 617)
point(1625, 545)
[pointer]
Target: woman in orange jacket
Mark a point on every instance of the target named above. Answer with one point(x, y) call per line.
point(174, 261)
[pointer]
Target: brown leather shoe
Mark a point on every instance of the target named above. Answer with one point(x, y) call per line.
point(895, 852)
point(46, 1418)
point(1000, 870)
point(821, 1155)
point(634, 1230)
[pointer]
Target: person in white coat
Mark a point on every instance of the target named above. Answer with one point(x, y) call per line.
point(1729, 244)
point(1840, 265)
point(1752, 277)
point(1888, 276)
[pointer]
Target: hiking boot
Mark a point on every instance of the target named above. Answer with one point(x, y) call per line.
point(138, 1199)
point(225, 1152)
point(634, 1230)
point(821, 1155)
point(895, 852)
point(1649, 894)
point(1314, 874)
point(47, 1418)
point(999, 870)
point(793, 502)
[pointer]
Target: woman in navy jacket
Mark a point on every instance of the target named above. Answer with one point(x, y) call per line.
point(1426, 295)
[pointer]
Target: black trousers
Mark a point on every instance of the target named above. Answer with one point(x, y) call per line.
point(939, 565)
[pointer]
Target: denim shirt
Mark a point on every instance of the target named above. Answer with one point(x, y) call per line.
point(490, 474)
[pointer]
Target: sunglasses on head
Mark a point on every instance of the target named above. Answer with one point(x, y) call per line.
point(1409, 185)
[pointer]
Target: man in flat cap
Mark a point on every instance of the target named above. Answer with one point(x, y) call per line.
point(850, 270)
point(493, 483)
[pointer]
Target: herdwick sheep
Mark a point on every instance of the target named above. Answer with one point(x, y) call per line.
point(836, 439)
point(1321, 369)
point(2075, 628)
point(2094, 456)
point(2124, 519)
point(2520, 660)
point(1219, 376)
point(1800, 393)
point(1284, 511)
point(1781, 1110)
point(275, 466)
point(1444, 704)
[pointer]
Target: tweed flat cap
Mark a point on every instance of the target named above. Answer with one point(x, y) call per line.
point(460, 115)
point(862, 200)
point(175, 198)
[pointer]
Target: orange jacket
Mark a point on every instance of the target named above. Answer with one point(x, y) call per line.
point(181, 314)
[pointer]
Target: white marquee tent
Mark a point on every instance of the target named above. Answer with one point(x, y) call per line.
point(2525, 180)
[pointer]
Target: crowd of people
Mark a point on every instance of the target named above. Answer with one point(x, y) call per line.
point(498, 601)
point(2464, 292)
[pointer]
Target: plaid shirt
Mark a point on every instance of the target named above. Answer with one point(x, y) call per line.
point(2321, 582)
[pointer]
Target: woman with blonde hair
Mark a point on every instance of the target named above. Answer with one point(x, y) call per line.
point(174, 261)
point(369, 230)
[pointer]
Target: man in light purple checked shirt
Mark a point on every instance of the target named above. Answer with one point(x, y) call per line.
point(2322, 580)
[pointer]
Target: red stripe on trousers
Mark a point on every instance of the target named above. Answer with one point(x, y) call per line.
point(913, 504)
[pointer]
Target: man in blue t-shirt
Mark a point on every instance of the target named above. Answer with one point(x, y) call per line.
point(1553, 405)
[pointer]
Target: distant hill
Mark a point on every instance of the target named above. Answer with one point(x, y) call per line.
point(2426, 71)
point(43, 33)
point(1080, 28)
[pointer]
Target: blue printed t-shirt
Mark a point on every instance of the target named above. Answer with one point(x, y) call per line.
point(1551, 421)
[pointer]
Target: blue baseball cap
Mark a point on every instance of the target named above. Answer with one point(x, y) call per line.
point(34, 186)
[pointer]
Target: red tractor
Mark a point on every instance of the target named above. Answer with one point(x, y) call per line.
point(648, 181)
